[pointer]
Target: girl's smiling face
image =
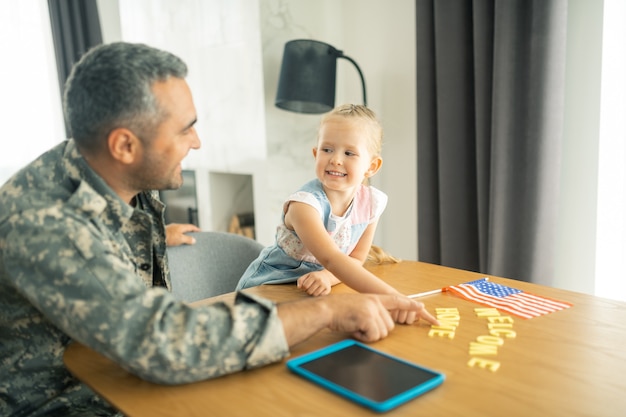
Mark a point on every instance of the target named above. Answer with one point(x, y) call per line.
point(343, 159)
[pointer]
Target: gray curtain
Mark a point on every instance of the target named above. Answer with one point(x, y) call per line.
point(490, 80)
point(75, 28)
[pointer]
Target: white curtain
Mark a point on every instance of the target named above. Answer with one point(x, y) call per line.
point(30, 104)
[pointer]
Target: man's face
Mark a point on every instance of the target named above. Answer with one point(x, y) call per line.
point(159, 167)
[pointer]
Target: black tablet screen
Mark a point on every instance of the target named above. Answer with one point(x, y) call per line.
point(368, 373)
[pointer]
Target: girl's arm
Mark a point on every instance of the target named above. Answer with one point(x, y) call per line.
point(305, 221)
point(320, 282)
point(362, 248)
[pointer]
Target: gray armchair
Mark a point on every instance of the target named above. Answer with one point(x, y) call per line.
point(212, 266)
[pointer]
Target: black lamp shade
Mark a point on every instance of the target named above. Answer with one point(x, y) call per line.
point(307, 77)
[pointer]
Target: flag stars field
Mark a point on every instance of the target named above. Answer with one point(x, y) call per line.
point(511, 300)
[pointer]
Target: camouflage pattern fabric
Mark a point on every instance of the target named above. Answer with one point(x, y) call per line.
point(76, 264)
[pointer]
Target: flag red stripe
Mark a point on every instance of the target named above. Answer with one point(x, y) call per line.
point(522, 304)
point(554, 303)
point(533, 304)
point(470, 293)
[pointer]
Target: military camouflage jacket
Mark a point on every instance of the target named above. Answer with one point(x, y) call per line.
point(76, 264)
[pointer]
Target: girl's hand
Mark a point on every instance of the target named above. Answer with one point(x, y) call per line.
point(317, 283)
point(175, 234)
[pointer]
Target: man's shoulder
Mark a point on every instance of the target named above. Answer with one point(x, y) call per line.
point(35, 182)
point(46, 187)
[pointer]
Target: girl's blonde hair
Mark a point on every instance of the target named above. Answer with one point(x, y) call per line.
point(378, 256)
point(358, 111)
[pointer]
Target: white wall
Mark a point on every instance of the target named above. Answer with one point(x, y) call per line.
point(109, 13)
point(387, 47)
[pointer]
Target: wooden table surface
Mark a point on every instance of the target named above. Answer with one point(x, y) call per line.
point(568, 363)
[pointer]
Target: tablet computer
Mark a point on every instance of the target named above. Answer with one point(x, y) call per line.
point(365, 375)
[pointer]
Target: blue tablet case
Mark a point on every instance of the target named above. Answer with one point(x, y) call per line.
point(365, 375)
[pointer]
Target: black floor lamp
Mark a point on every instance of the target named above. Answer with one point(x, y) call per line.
point(307, 77)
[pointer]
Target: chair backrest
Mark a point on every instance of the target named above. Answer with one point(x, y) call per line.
point(212, 266)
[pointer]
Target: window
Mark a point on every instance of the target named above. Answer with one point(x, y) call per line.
point(611, 221)
point(30, 105)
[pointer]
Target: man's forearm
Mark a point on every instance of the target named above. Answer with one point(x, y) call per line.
point(303, 319)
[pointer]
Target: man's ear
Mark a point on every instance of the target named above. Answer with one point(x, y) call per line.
point(123, 145)
point(375, 166)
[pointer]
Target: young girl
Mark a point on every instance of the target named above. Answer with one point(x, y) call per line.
point(329, 224)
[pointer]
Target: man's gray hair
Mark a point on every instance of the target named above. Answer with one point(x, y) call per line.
point(111, 87)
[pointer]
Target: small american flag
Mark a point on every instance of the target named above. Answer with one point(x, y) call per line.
point(511, 300)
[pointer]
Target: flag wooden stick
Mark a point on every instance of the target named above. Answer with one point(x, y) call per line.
point(432, 292)
point(425, 293)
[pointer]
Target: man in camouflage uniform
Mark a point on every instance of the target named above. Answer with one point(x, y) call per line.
point(82, 252)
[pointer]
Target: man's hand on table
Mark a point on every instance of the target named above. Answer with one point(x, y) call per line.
point(367, 317)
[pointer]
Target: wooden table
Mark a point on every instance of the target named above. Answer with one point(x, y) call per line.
point(568, 363)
